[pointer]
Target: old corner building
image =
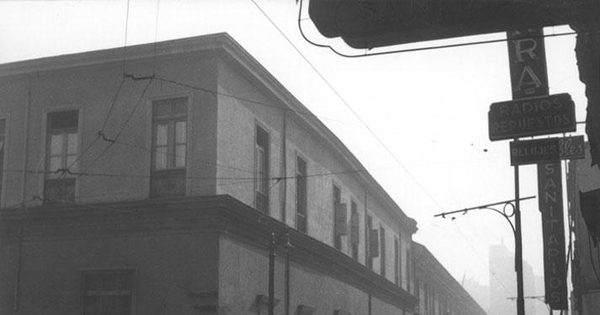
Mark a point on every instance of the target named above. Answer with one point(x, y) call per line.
point(160, 178)
point(583, 191)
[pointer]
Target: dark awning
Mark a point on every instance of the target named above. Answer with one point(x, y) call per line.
point(377, 23)
point(590, 211)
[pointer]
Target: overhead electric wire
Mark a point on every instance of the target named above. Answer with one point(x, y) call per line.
point(125, 38)
point(112, 141)
point(112, 105)
point(252, 179)
point(473, 43)
point(187, 158)
point(357, 116)
point(155, 37)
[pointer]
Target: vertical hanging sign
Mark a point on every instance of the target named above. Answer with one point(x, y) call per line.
point(529, 78)
point(527, 55)
point(551, 207)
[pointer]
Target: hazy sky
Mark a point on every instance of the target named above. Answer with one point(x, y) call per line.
point(427, 108)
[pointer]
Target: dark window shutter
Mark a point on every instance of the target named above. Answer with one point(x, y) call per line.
point(374, 243)
point(354, 235)
point(341, 218)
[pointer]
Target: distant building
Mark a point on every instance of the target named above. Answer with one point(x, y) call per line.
point(503, 284)
point(479, 292)
point(438, 292)
point(158, 179)
point(582, 177)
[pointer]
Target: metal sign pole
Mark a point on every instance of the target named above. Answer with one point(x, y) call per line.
point(518, 247)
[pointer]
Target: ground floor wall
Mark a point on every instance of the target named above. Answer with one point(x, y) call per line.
point(590, 303)
point(201, 255)
point(243, 278)
point(168, 270)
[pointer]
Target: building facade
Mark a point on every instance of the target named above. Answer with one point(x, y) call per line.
point(438, 292)
point(182, 178)
point(582, 177)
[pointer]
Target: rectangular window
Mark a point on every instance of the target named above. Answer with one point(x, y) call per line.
point(354, 230)
point(396, 261)
point(262, 169)
point(372, 237)
point(107, 292)
point(62, 151)
point(339, 218)
point(2, 146)
point(409, 267)
point(417, 291)
point(169, 146)
point(301, 195)
point(402, 266)
point(382, 255)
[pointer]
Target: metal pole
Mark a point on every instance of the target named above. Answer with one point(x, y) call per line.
point(518, 248)
point(272, 275)
point(287, 278)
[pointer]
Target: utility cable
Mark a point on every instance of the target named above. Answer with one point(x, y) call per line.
point(492, 41)
point(68, 172)
point(80, 156)
point(155, 37)
point(356, 114)
point(112, 141)
point(125, 39)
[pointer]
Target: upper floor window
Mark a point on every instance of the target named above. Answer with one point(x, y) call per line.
point(261, 155)
point(301, 195)
point(396, 261)
point(108, 292)
point(339, 218)
point(382, 252)
point(62, 152)
point(2, 146)
point(408, 266)
point(372, 241)
point(169, 146)
point(354, 230)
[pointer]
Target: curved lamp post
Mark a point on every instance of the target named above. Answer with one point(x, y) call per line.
point(509, 210)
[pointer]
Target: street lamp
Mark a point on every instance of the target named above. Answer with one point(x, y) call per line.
point(509, 210)
point(276, 241)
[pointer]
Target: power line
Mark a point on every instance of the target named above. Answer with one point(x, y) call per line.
point(112, 141)
point(125, 39)
point(68, 172)
point(473, 43)
point(112, 104)
point(355, 113)
point(178, 156)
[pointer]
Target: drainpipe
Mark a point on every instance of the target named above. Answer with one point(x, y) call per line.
point(26, 142)
point(284, 169)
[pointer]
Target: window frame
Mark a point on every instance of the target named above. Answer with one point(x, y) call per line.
point(337, 204)
point(63, 178)
point(354, 228)
point(171, 137)
point(262, 182)
point(3, 150)
point(171, 171)
point(397, 263)
point(301, 177)
point(132, 291)
point(382, 255)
